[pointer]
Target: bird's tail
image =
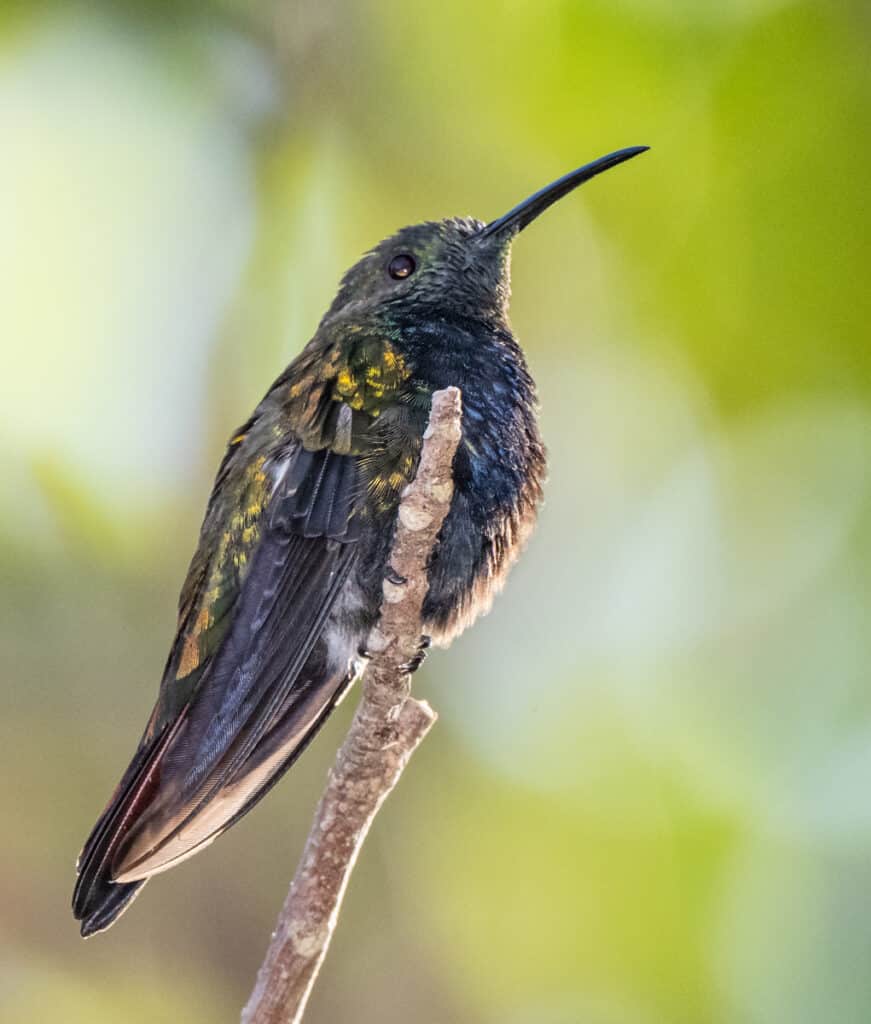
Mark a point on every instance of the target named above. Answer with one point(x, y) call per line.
point(98, 900)
point(105, 902)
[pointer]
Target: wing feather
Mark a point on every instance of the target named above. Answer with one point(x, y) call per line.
point(291, 586)
point(249, 619)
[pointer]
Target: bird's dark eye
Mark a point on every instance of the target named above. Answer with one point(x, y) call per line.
point(401, 266)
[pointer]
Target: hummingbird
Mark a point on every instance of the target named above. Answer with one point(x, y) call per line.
point(286, 580)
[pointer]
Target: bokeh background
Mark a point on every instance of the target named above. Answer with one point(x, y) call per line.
point(648, 799)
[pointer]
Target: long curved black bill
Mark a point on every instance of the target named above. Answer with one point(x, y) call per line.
point(526, 212)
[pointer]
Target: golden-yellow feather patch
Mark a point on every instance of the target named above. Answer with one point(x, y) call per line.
point(231, 559)
point(190, 657)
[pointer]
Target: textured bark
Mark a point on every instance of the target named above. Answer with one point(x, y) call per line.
point(387, 728)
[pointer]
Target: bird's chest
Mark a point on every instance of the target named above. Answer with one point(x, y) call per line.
point(498, 473)
point(497, 470)
point(500, 443)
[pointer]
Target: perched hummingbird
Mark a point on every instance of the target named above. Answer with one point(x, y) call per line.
point(286, 581)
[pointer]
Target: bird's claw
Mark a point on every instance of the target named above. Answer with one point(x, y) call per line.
point(414, 664)
point(392, 576)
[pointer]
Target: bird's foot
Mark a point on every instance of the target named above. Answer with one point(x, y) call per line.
point(414, 664)
point(392, 576)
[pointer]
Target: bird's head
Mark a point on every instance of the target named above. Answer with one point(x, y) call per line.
point(454, 267)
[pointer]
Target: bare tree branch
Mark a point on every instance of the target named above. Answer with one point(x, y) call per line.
point(387, 728)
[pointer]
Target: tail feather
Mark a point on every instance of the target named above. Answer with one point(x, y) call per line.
point(107, 901)
point(97, 899)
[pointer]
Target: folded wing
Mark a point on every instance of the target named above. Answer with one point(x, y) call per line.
point(244, 689)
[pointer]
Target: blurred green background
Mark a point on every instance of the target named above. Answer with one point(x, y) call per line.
point(648, 799)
